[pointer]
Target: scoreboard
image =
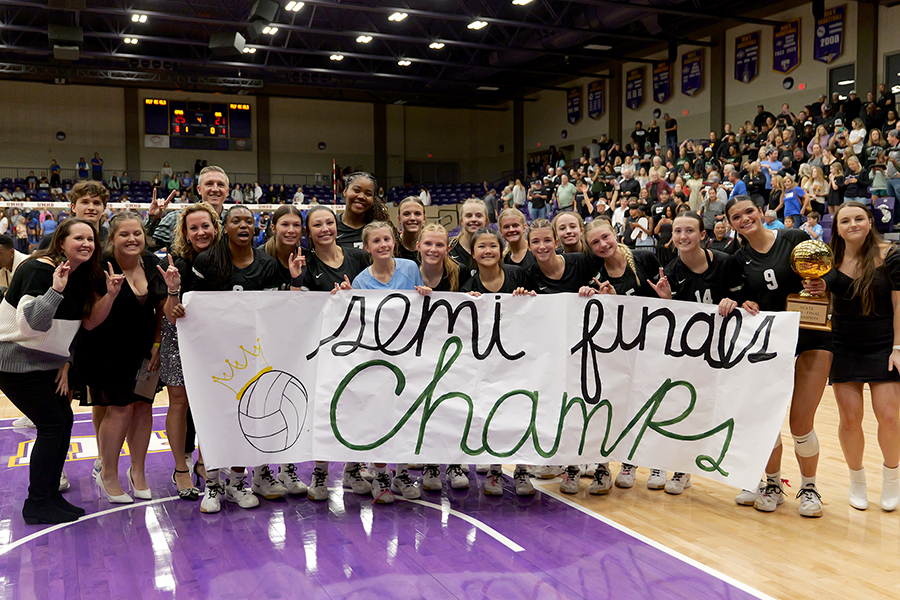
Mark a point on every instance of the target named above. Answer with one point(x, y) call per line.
point(188, 119)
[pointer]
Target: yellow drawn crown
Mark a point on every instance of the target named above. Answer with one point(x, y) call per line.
point(235, 378)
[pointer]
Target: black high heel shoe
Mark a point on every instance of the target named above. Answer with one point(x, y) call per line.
point(190, 493)
point(199, 479)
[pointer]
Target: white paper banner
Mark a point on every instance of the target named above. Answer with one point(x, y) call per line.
point(277, 377)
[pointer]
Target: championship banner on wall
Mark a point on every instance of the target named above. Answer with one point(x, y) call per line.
point(277, 377)
point(786, 47)
point(573, 105)
point(595, 99)
point(746, 57)
point(829, 42)
point(634, 88)
point(692, 72)
point(662, 81)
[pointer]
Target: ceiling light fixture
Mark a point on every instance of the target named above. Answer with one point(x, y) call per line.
point(135, 18)
point(336, 57)
point(477, 25)
point(397, 17)
point(847, 82)
point(488, 88)
point(364, 39)
point(293, 6)
point(404, 63)
point(249, 50)
point(522, 2)
point(597, 47)
point(436, 45)
point(270, 30)
point(129, 40)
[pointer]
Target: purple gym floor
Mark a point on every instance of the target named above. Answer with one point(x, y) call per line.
point(456, 544)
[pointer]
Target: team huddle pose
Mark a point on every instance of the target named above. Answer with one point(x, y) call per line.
point(86, 292)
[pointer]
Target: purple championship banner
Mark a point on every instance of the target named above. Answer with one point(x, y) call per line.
point(746, 57)
point(786, 47)
point(692, 72)
point(573, 105)
point(829, 43)
point(634, 88)
point(595, 99)
point(662, 81)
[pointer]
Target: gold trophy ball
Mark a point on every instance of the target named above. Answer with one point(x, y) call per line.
point(812, 259)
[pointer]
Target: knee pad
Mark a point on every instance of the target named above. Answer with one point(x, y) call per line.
point(806, 445)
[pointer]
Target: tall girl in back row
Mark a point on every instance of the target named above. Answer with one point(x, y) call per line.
point(765, 259)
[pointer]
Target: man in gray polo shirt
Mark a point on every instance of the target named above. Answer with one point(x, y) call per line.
point(565, 194)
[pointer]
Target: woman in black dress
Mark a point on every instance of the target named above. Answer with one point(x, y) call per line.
point(55, 292)
point(133, 329)
point(768, 279)
point(866, 327)
point(198, 228)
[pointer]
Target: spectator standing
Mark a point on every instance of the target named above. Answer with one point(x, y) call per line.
point(639, 138)
point(565, 194)
point(490, 201)
point(97, 167)
point(82, 168)
point(55, 171)
point(671, 126)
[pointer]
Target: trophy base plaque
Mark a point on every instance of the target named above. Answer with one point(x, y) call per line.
point(813, 311)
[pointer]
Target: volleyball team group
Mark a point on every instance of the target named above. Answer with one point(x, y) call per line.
point(94, 308)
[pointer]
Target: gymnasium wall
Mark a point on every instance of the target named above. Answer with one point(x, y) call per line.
point(92, 117)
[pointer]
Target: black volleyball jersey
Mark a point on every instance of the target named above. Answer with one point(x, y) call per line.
point(628, 284)
point(408, 254)
point(463, 258)
point(261, 274)
point(723, 278)
point(320, 277)
point(514, 277)
point(579, 271)
point(769, 278)
point(348, 237)
point(527, 261)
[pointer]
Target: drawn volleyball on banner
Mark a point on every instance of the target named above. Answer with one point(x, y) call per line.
point(272, 410)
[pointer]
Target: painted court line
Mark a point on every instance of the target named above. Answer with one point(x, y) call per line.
point(73, 422)
point(13, 545)
point(673, 553)
point(474, 522)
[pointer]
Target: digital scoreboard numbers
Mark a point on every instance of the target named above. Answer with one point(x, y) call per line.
point(196, 119)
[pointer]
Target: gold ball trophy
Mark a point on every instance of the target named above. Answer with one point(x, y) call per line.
point(811, 259)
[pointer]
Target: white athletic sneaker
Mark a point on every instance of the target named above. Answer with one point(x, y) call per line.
point(602, 483)
point(625, 478)
point(23, 421)
point(677, 483)
point(287, 475)
point(548, 471)
point(457, 477)
point(212, 498)
point(657, 479)
point(354, 480)
point(588, 470)
point(366, 472)
point(770, 497)
point(318, 486)
point(265, 484)
point(524, 487)
point(465, 468)
point(236, 491)
point(381, 488)
point(810, 501)
point(63, 482)
point(748, 497)
point(402, 484)
point(493, 485)
point(482, 469)
point(415, 466)
point(431, 478)
point(98, 466)
point(569, 483)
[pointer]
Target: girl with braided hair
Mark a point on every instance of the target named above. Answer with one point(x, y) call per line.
point(361, 208)
point(624, 272)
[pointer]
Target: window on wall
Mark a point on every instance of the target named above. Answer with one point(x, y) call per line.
point(841, 80)
point(892, 72)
